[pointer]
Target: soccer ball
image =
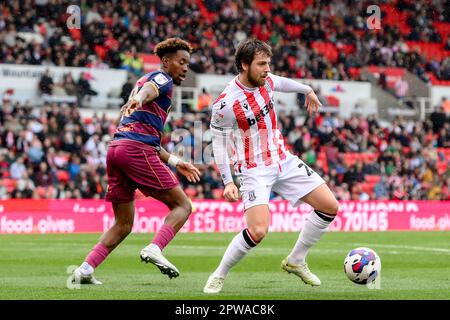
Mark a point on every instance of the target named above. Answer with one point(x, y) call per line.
point(362, 265)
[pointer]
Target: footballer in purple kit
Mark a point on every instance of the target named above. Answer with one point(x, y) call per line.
point(135, 160)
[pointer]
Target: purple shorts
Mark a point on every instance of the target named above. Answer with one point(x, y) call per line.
point(132, 165)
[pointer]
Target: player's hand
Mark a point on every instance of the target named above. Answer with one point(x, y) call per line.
point(191, 173)
point(130, 107)
point(312, 102)
point(231, 192)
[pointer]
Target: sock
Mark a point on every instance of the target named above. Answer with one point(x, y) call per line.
point(164, 236)
point(86, 268)
point(238, 248)
point(316, 224)
point(97, 255)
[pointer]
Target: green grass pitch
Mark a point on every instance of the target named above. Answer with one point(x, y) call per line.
point(415, 265)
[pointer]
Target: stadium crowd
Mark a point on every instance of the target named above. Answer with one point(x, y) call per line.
point(114, 32)
point(52, 152)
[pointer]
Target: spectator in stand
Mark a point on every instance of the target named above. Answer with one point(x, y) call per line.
point(84, 88)
point(401, 88)
point(74, 148)
point(69, 84)
point(126, 89)
point(18, 169)
point(110, 35)
point(204, 101)
point(382, 82)
point(446, 106)
point(438, 119)
point(46, 83)
point(132, 62)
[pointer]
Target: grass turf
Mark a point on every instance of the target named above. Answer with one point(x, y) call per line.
point(415, 265)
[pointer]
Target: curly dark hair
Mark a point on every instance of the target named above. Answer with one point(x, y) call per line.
point(246, 51)
point(170, 46)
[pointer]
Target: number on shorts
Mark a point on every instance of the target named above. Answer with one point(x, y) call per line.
point(309, 171)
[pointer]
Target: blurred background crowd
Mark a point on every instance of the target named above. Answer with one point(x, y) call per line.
point(52, 152)
point(325, 39)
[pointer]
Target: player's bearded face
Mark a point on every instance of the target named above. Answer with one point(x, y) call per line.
point(259, 70)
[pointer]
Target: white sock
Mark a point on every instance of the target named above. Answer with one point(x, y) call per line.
point(86, 269)
point(316, 224)
point(236, 251)
point(154, 247)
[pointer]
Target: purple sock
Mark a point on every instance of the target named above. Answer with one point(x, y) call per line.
point(164, 236)
point(97, 255)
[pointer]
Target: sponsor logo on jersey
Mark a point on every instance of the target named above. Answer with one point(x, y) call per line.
point(222, 105)
point(264, 111)
point(251, 196)
point(217, 117)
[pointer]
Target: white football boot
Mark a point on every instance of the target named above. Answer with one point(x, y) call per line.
point(302, 271)
point(78, 277)
point(214, 284)
point(152, 254)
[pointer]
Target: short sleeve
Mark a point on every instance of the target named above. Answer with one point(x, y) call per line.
point(162, 82)
point(222, 118)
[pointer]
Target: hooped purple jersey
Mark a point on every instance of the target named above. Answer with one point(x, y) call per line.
point(146, 124)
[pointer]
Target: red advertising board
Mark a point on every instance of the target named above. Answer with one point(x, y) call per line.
point(92, 216)
point(151, 62)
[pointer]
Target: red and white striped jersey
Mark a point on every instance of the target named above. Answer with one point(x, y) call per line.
point(247, 119)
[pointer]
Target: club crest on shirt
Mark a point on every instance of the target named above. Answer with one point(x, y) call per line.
point(217, 117)
point(251, 196)
point(161, 79)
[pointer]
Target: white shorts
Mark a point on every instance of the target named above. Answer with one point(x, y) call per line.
point(291, 178)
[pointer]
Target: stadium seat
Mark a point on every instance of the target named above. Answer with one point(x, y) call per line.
point(443, 28)
point(372, 178)
point(327, 49)
point(63, 176)
point(190, 192)
point(10, 184)
point(264, 6)
point(217, 193)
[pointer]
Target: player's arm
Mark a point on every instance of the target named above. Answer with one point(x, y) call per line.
point(283, 84)
point(191, 173)
point(139, 97)
point(220, 144)
point(221, 135)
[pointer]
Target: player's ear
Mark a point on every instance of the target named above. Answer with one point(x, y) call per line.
point(244, 66)
point(165, 61)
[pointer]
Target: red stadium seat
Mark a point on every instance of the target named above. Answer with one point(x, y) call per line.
point(292, 62)
point(443, 28)
point(354, 72)
point(264, 6)
point(328, 50)
point(372, 178)
point(10, 184)
point(190, 192)
point(63, 175)
point(217, 193)
point(445, 152)
point(294, 30)
point(441, 167)
point(432, 51)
